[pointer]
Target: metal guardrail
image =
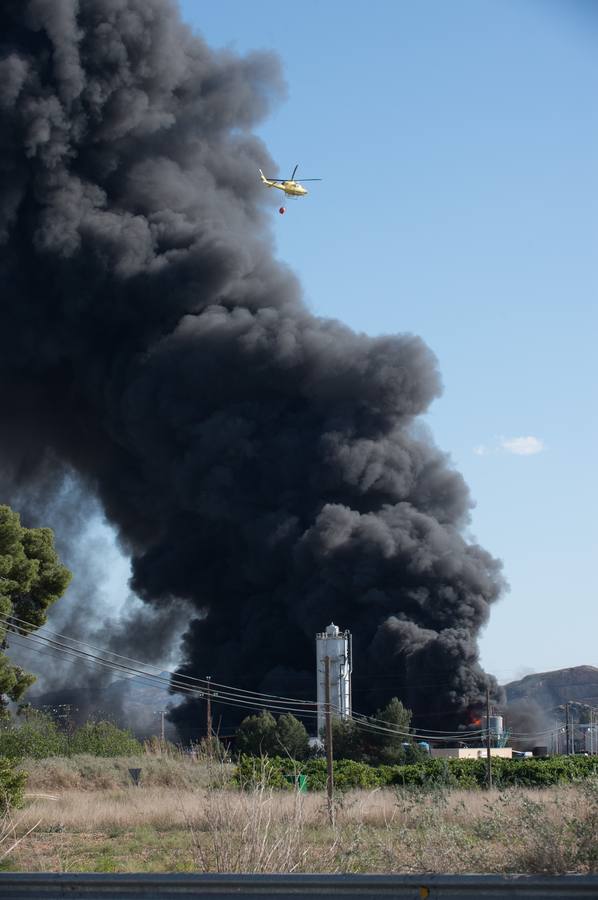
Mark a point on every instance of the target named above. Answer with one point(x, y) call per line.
point(275, 887)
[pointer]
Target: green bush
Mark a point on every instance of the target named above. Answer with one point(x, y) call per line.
point(471, 773)
point(433, 773)
point(104, 739)
point(11, 784)
point(254, 771)
point(274, 773)
point(35, 736)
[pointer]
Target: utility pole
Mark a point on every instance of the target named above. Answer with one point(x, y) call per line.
point(567, 730)
point(162, 730)
point(328, 714)
point(209, 712)
point(488, 753)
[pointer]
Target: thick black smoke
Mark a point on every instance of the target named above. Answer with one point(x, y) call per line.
point(259, 463)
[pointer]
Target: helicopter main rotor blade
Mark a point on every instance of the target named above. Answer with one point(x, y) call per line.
point(311, 179)
point(294, 170)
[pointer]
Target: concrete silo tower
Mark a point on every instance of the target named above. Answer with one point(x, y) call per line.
point(336, 645)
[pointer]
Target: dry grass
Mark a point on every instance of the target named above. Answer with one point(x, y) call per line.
point(93, 773)
point(186, 825)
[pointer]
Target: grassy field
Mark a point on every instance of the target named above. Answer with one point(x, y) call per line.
point(87, 816)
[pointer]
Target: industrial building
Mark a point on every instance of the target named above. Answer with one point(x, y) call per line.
point(336, 646)
point(471, 752)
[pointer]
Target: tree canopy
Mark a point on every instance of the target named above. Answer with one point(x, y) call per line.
point(256, 735)
point(32, 578)
point(388, 740)
point(386, 746)
point(263, 736)
point(292, 738)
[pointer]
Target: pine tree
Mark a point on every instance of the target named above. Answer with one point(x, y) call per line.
point(292, 738)
point(257, 736)
point(31, 580)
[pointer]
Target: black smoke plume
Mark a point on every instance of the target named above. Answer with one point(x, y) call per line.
point(261, 465)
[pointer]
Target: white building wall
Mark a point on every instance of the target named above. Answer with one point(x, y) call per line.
point(337, 646)
point(471, 752)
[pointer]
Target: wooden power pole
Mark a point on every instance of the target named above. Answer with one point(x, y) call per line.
point(208, 712)
point(488, 744)
point(328, 715)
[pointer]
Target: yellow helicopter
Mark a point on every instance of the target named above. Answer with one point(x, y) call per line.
point(289, 187)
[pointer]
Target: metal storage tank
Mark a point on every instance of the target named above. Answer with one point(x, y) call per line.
point(336, 645)
point(498, 736)
point(495, 723)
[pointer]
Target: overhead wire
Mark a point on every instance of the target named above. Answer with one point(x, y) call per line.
point(42, 643)
point(360, 721)
point(440, 735)
point(203, 681)
point(223, 699)
point(363, 723)
point(258, 700)
point(226, 694)
point(227, 697)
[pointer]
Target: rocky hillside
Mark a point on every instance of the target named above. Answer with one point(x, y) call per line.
point(553, 689)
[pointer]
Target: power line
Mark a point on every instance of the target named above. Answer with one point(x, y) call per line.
point(10, 620)
point(44, 644)
point(228, 699)
point(228, 695)
point(172, 680)
point(439, 735)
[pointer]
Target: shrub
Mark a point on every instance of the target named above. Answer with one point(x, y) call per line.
point(471, 773)
point(11, 785)
point(350, 774)
point(433, 773)
point(251, 772)
point(104, 739)
point(35, 736)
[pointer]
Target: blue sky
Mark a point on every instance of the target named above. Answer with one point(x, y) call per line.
point(458, 145)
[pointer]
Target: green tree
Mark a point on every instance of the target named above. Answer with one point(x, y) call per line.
point(381, 743)
point(104, 739)
point(347, 739)
point(388, 746)
point(291, 737)
point(31, 579)
point(33, 734)
point(257, 736)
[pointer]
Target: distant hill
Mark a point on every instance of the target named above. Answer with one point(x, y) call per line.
point(553, 689)
point(535, 710)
